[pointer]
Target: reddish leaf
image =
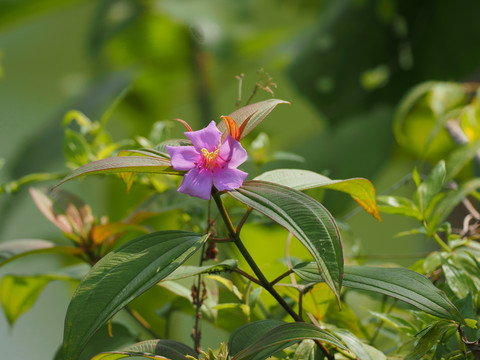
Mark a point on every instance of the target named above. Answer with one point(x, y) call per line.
point(257, 112)
point(232, 127)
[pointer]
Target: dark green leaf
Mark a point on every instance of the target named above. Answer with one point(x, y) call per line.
point(429, 337)
point(120, 277)
point(283, 336)
point(305, 218)
point(259, 110)
point(361, 190)
point(400, 283)
point(246, 335)
point(143, 164)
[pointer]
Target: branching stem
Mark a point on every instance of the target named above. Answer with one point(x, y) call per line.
point(263, 282)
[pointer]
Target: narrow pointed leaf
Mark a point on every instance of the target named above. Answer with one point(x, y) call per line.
point(121, 276)
point(305, 218)
point(400, 283)
point(187, 271)
point(143, 164)
point(259, 110)
point(14, 249)
point(283, 336)
point(361, 190)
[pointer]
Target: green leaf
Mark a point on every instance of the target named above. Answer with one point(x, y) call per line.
point(459, 279)
point(259, 110)
point(75, 148)
point(446, 205)
point(306, 350)
point(461, 157)
point(283, 336)
point(187, 271)
point(361, 190)
point(361, 350)
point(400, 283)
point(120, 277)
point(143, 164)
point(430, 187)
point(399, 206)
point(14, 249)
point(18, 293)
point(305, 218)
point(429, 337)
point(397, 322)
point(246, 335)
point(170, 349)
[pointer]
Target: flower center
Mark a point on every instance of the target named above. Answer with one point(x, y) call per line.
point(210, 158)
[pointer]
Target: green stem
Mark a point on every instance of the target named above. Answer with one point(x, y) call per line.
point(441, 243)
point(13, 186)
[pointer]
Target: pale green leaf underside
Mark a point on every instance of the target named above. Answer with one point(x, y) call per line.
point(138, 164)
point(361, 190)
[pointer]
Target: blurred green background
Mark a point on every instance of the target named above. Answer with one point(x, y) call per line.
point(343, 65)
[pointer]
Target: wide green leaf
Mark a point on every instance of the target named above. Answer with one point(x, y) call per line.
point(361, 190)
point(121, 276)
point(283, 336)
point(18, 293)
point(305, 218)
point(400, 283)
point(169, 349)
point(119, 164)
point(259, 110)
point(14, 249)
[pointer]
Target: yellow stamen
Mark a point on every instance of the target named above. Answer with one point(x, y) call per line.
point(210, 158)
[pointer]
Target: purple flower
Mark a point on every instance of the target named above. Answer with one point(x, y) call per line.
point(209, 161)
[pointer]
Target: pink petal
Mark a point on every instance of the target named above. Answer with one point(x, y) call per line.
point(228, 178)
point(197, 182)
point(208, 138)
point(232, 152)
point(183, 157)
